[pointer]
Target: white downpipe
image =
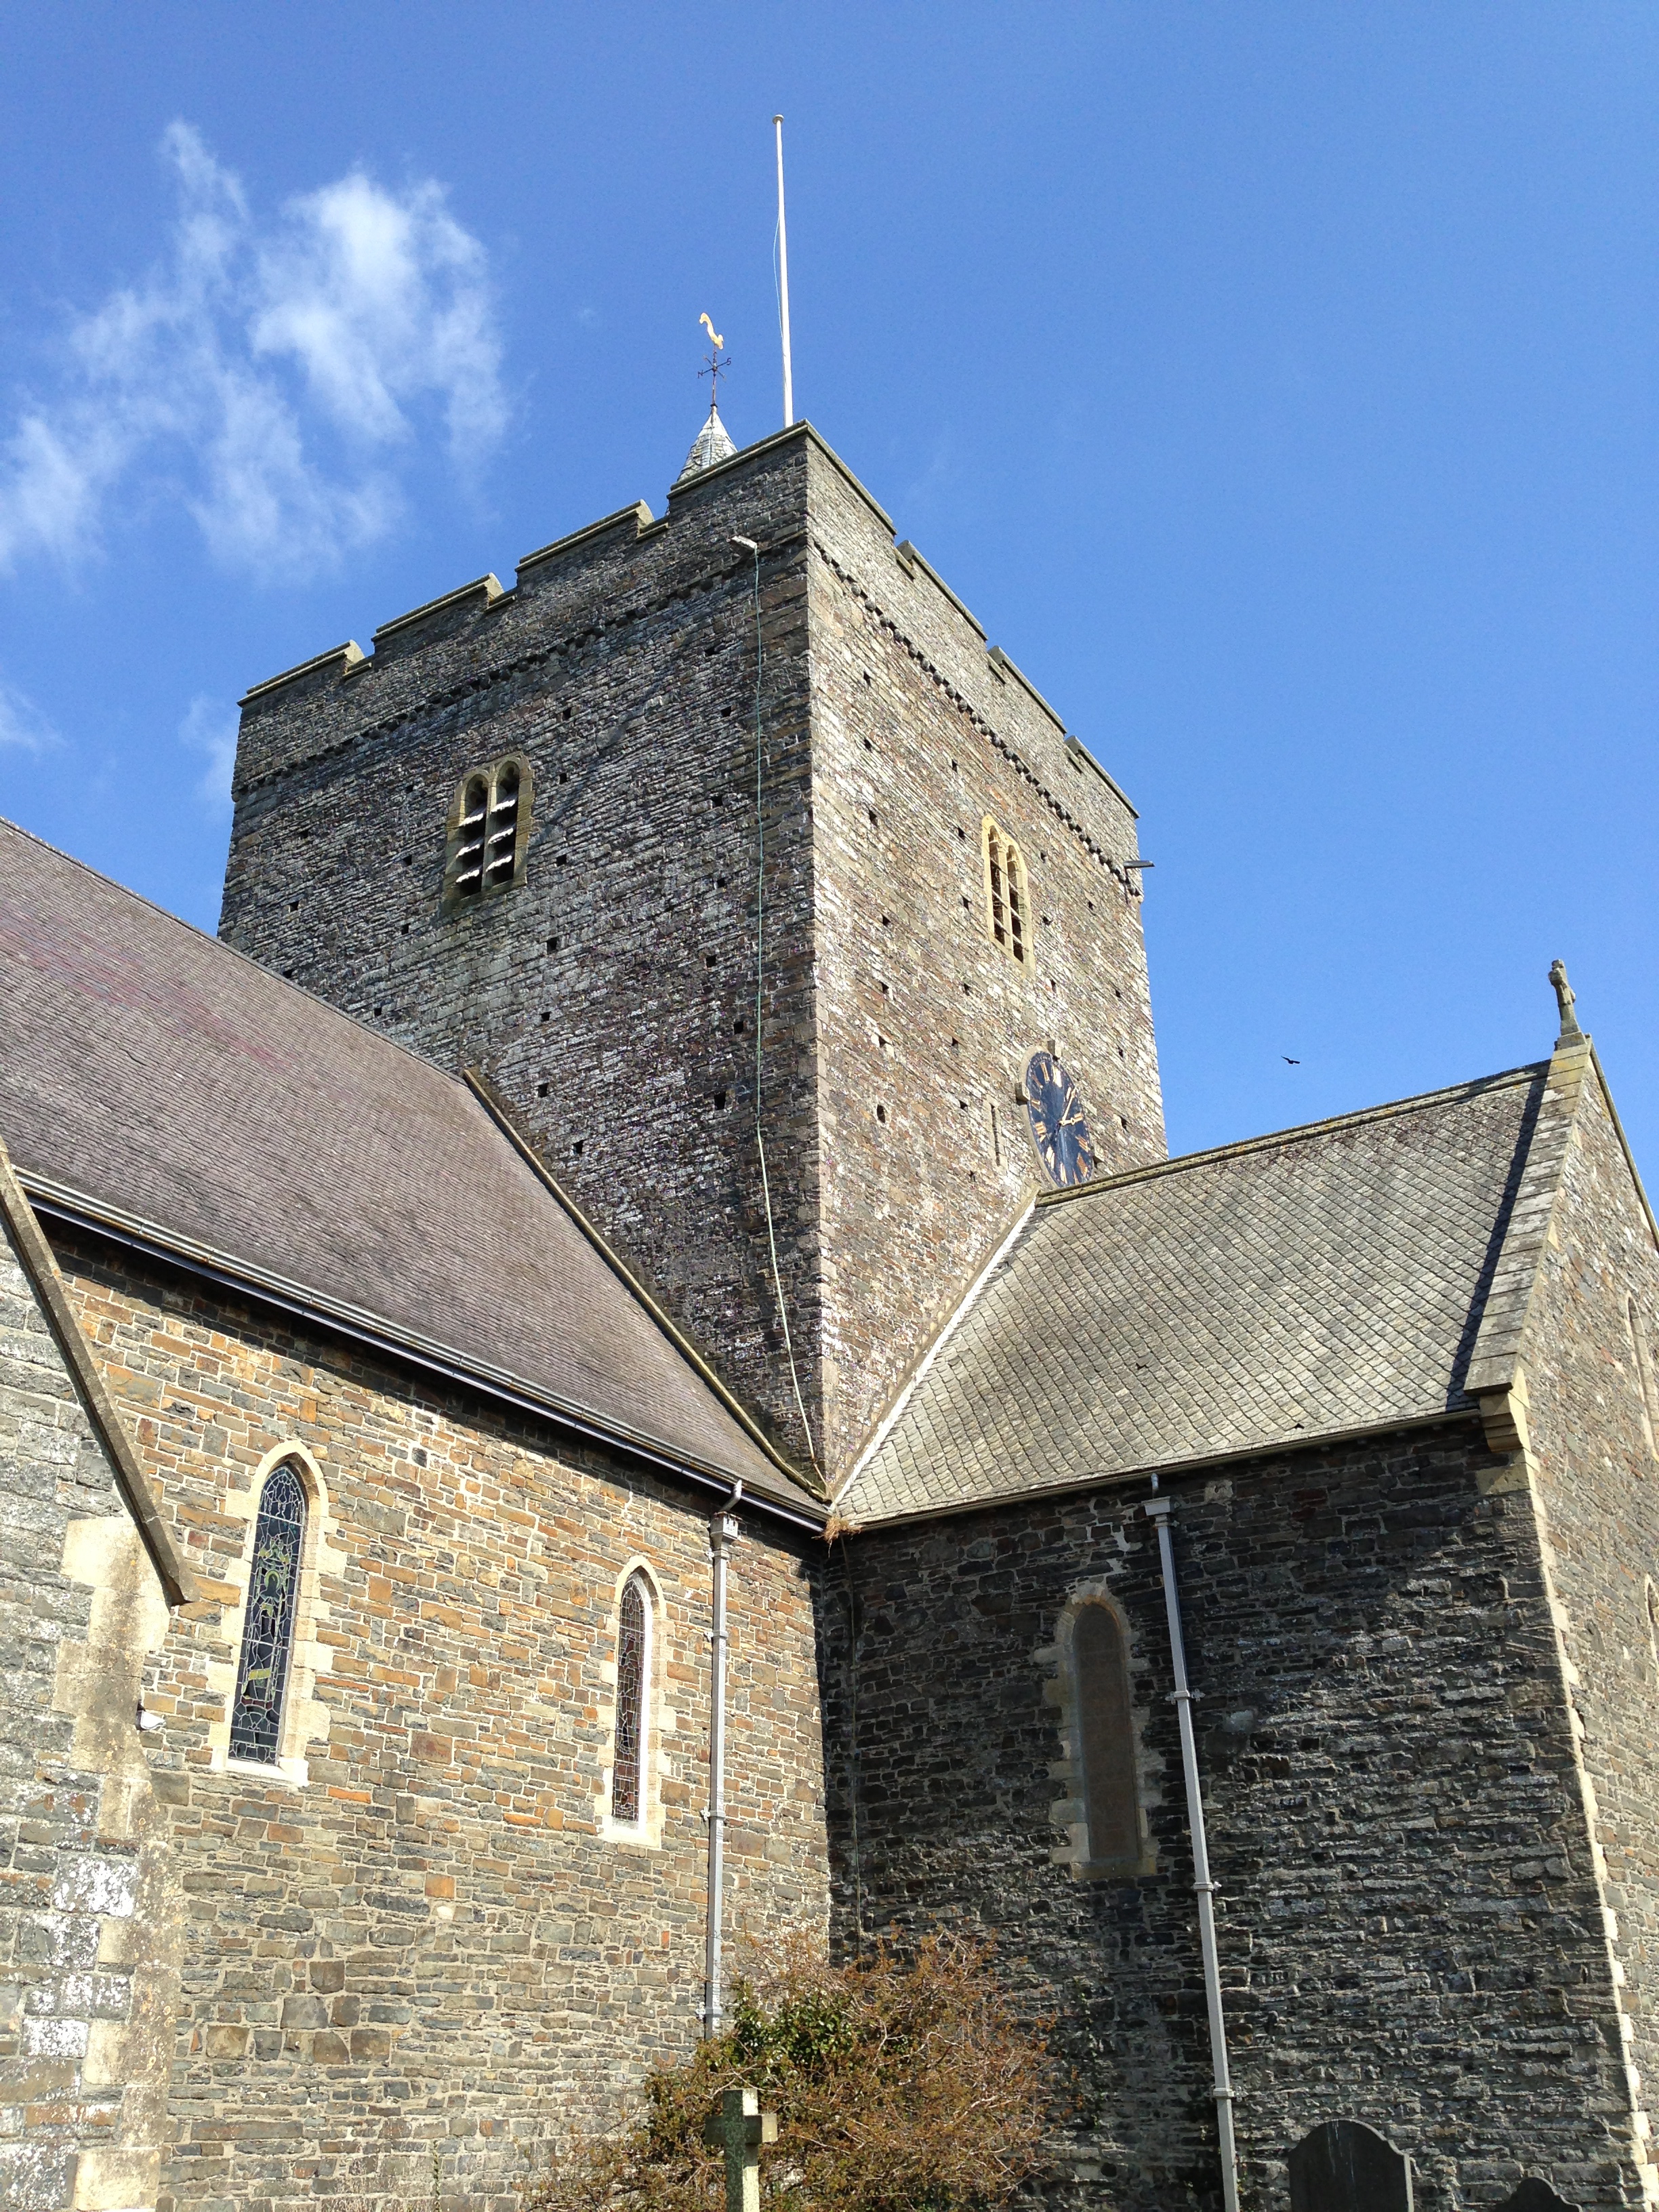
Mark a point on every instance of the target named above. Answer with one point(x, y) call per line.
point(783, 284)
point(1203, 1888)
point(722, 1535)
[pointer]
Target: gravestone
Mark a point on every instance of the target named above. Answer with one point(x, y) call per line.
point(1345, 2166)
point(1532, 2195)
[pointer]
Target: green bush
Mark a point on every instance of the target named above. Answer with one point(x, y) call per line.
point(900, 2085)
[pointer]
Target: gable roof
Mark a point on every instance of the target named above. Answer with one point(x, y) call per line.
point(155, 1081)
point(1320, 1281)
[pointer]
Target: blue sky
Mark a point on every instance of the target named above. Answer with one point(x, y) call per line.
point(1276, 382)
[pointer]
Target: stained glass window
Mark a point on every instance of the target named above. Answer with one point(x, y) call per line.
point(625, 1769)
point(273, 1591)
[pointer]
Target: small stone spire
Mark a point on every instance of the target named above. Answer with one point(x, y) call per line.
point(1570, 1032)
point(711, 443)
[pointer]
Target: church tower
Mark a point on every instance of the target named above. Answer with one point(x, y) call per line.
point(754, 881)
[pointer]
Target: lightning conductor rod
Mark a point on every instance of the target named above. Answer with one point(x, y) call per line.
point(1158, 1511)
point(783, 284)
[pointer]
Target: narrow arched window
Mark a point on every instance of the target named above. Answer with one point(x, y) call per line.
point(1008, 895)
point(1106, 1737)
point(1638, 1345)
point(468, 863)
point(273, 1595)
point(501, 834)
point(1017, 932)
point(633, 1680)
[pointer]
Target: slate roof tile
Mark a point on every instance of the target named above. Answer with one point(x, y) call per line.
point(1327, 1279)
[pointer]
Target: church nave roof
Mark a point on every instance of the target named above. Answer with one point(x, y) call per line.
point(155, 1080)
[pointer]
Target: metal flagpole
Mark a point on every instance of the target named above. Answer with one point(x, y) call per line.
point(783, 284)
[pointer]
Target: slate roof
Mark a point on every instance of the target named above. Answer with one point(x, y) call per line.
point(173, 1084)
point(1325, 1279)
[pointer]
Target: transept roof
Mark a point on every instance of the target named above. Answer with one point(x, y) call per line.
point(1324, 1280)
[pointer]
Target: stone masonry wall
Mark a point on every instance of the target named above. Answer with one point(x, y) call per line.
point(430, 1953)
point(611, 995)
point(916, 737)
point(89, 1979)
point(1597, 1479)
point(1409, 1913)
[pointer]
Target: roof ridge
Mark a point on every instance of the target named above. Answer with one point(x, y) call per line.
point(235, 952)
point(1298, 1132)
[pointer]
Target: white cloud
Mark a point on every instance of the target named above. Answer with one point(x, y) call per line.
point(210, 728)
point(21, 723)
point(266, 376)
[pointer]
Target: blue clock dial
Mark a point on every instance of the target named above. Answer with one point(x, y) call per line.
point(1059, 1127)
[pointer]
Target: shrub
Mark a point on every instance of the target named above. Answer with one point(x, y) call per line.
point(900, 2085)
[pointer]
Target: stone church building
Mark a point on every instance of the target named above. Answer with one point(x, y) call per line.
point(675, 1090)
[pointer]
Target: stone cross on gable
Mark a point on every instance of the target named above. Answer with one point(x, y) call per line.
point(739, 2126)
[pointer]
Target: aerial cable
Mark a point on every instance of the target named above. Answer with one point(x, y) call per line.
point(748, 546)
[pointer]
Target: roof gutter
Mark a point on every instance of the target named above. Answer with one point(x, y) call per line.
point(1163, 1470)
point(151, 1243)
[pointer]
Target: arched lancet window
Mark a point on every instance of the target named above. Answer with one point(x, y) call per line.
point(1106, 1737)
point(273, 1594)
point(1017, 932)
point(469, 838)
point(633, 1686)
point(502, 837)
point(486, 848)
point(1638, 1345)
point(1008, 895)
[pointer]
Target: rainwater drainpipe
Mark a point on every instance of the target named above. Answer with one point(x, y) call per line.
point(722, 1535)
point(1203, 1888)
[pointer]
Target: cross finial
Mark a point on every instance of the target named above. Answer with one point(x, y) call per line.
point(739, 2126)
point(718, 364)
point(1563, 999)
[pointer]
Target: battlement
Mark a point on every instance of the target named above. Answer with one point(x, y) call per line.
point(596, 573)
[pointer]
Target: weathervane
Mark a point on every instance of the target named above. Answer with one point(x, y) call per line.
point(718, 364)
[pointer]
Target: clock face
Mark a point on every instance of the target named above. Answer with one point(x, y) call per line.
point(1058, 1127)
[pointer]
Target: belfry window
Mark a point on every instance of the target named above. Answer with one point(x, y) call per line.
point(502, 828)
point(1106, 1738)
point(1007, 895)
point(487, 826)
point(273, 1593)
point(474, 825)
point(633, 1684)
